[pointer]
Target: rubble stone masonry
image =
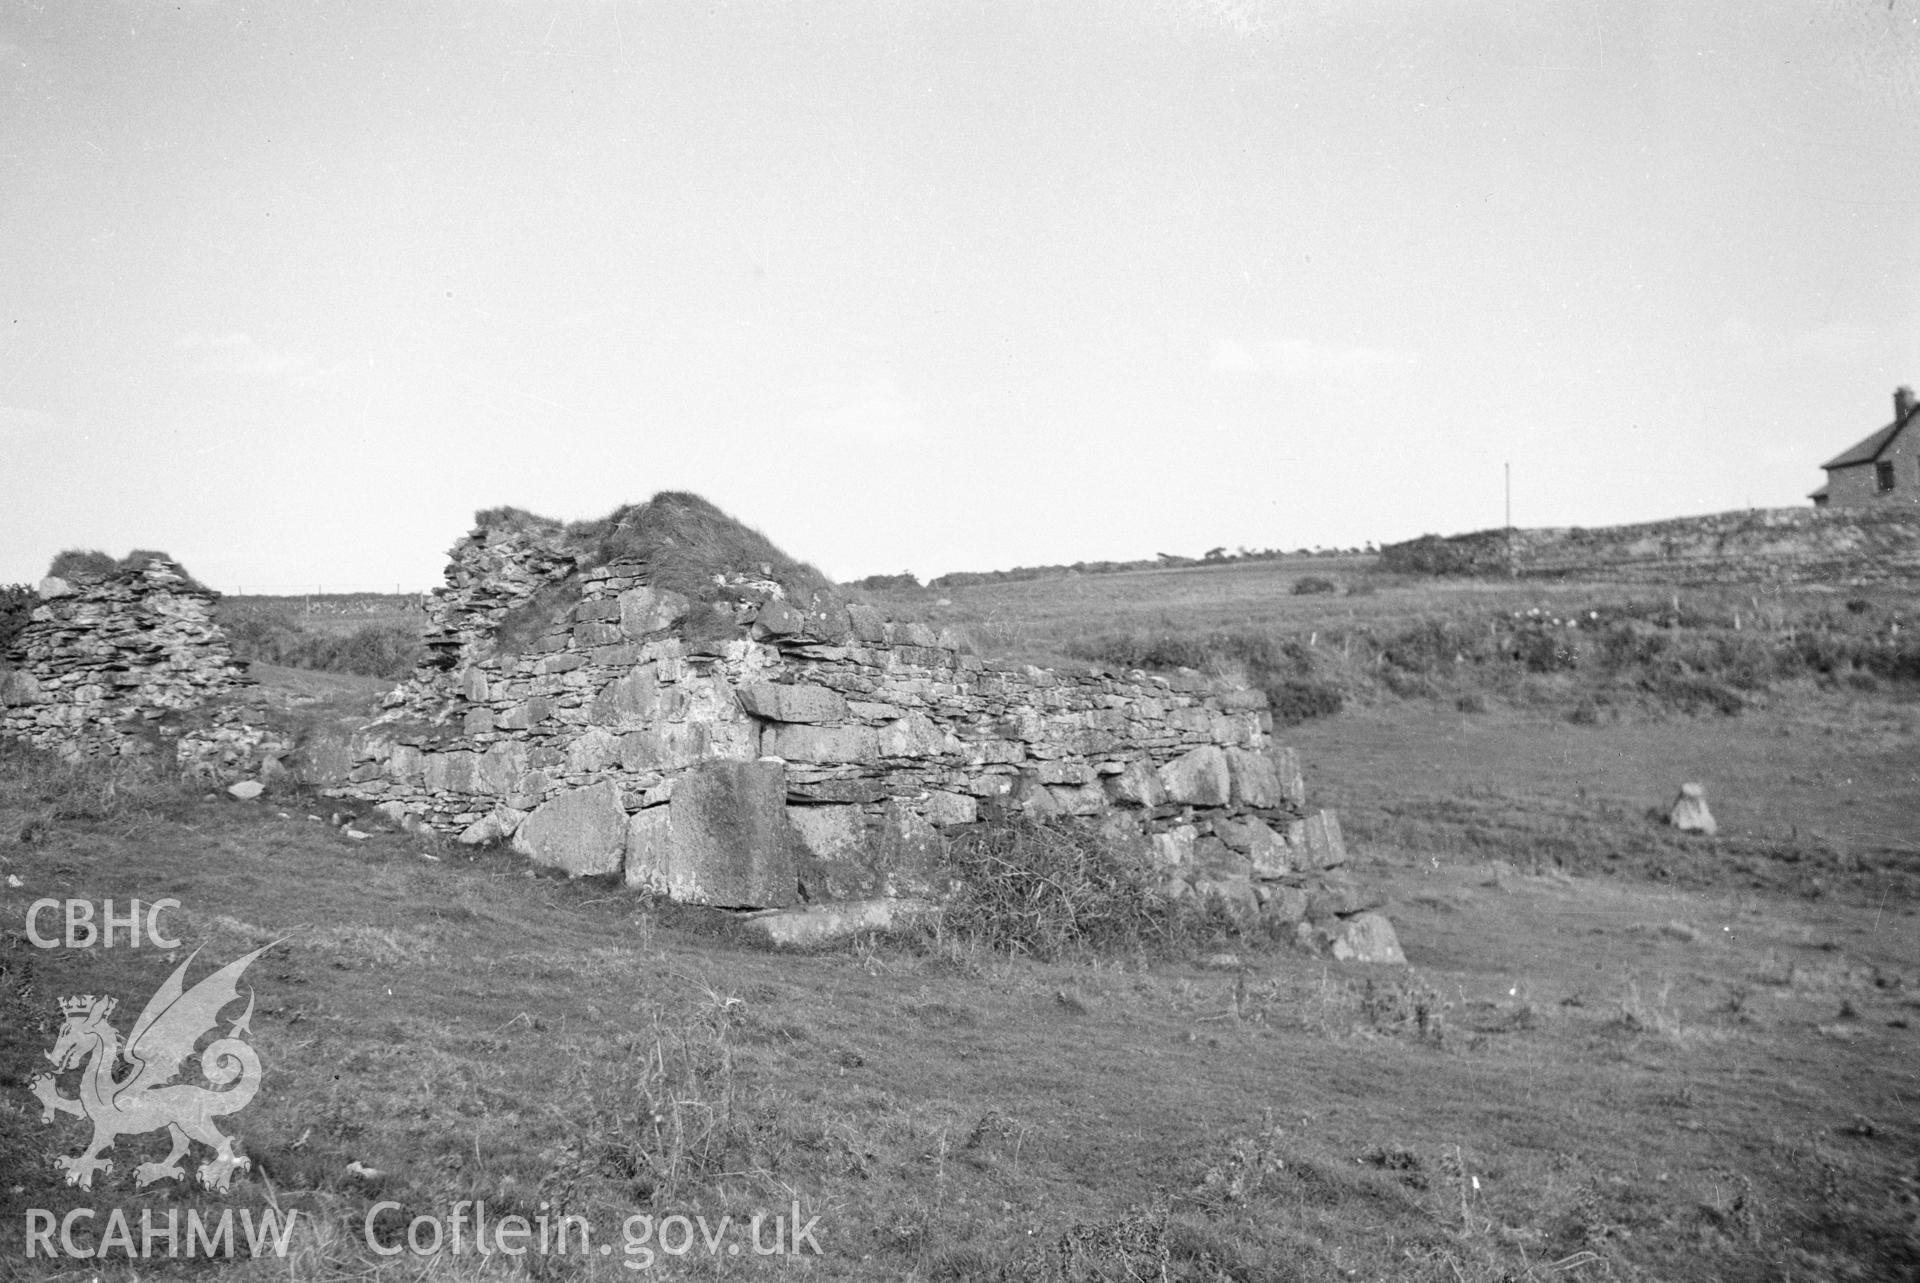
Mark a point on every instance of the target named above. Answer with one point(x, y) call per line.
point(626, 733)
point(126, 663)
point(757, 747)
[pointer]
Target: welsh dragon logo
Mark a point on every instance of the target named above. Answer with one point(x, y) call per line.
point(145, 1099)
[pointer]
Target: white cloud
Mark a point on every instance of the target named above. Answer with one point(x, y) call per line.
point(872, 411)
point(240, 355)
point(1304, 360)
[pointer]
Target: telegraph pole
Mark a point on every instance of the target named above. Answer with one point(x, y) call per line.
point(1507, 468)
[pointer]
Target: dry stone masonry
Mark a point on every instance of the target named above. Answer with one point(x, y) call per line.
point(772, 746)
point(120, 664)
point(635, 701)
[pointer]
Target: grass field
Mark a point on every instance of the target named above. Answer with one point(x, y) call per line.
point(1618, 1053)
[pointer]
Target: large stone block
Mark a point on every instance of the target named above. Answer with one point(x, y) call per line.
point(868, 624)
point(1690, 813)
point(1079, 799)
point(498, 823)
point(453, 772)
point(1325, 848)
point(826, 923)
point(665, 747)
point(595, 750)
point(1234, 890)
point(583, 831)
point(803, 743)
point(796, 702)
point(1368, 937)
point(830, 832)
point(1065, 772)
point(527, 714)
point(856, 789)
point(777, 619)
point(1284, 904)
point(1173, 849)
point(724, 839)
point(1293, 785)
point(944, 809)
point(1198, 777)
point(914, 735)
point(1269, 856)
point(646, 610)
point(1337, 895)
point(1214, 858)
point(629, 703)
point(1254, 779)
point(1138, 784)
point(500, 768)
point(908, 853)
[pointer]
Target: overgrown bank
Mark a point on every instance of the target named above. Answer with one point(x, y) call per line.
point(1701, 654)
point(263, 635)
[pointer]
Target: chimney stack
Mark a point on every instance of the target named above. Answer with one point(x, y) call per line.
point(1902, 403)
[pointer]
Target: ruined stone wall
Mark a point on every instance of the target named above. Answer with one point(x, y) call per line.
point(123, 664)
point(806, 749)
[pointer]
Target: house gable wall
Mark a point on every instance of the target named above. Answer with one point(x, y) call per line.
point(1856, 485)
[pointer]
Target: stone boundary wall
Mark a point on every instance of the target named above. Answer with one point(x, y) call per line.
point(120, 664)
point(806, 750)
point(1766, 544)
point(747, 749)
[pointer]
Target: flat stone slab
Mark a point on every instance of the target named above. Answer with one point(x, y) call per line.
point(819, 924)
point(793, 702)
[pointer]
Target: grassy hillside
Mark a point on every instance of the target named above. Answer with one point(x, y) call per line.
point(1605, 1075)
point(1594, 651)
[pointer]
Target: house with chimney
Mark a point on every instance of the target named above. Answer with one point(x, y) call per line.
point(1881, 469)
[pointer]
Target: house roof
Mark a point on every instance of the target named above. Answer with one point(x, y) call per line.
point(1868, 450)
point(1821, 493)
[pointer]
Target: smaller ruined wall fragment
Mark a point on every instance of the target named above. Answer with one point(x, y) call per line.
point(113, 665)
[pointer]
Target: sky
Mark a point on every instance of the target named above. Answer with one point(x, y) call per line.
point(290, 290)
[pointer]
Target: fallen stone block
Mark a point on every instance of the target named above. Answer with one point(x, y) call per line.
point(822, 924)
point(1690, 813)
point(1367, 937)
